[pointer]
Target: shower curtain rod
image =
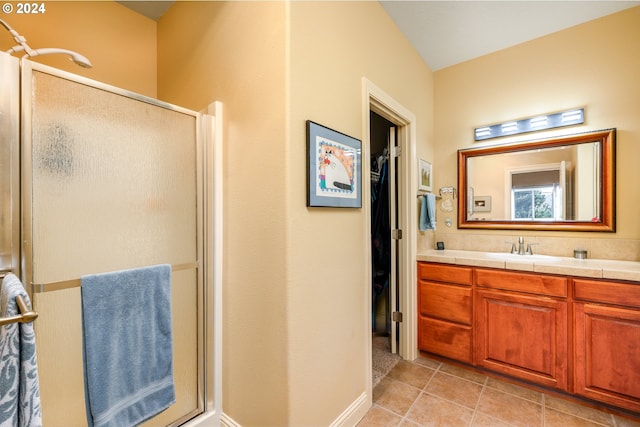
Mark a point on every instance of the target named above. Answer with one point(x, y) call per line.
point(25, 315)
point(38, 288)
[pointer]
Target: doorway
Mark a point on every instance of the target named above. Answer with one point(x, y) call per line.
point(383, 149)
point(376, 100)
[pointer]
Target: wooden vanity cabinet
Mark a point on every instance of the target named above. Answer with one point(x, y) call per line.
point(445, 311)
point(520, 326)
point(573, 334)
point(606, 318)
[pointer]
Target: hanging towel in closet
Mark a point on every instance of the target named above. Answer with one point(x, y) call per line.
point(128, 345)
point(19, 387)
point(428, 212)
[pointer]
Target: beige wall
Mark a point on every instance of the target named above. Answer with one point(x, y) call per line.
point(295, 317)
point(333, 45)
point(120, 43)
point(234, 52)
point(594, 65)
point(294, 289)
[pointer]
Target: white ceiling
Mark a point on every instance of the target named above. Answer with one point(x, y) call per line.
point(449, 32)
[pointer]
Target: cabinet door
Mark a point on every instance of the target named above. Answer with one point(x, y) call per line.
point(607, 354)
point(522, 336)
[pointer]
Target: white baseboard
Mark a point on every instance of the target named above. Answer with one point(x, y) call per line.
point(354, 413)
point(349, 418)
point(227, 421)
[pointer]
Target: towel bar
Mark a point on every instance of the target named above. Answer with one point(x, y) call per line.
point(448, 190)
point(4, 272)
point(25, 315)
point(39, 288)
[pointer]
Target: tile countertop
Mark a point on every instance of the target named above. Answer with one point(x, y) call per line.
point(593, 268)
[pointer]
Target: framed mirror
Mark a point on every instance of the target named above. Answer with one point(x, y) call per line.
point(564, 183)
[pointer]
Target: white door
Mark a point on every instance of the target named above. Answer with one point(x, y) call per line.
point(395, 238)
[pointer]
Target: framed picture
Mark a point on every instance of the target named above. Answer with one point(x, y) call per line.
point(333, 168)
point(425, 176)
point(482, 204)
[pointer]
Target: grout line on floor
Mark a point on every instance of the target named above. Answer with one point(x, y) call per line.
point(483, 383)
point(475, 410)
point(404, 417)
point(612, 424)
point(544, 409)
point(513, 394)
point(390, 412)
point(615, 421)
point(545, 400)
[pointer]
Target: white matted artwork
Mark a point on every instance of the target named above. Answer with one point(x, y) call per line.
point(333, 168)
point(482, 204)
point(425, 175)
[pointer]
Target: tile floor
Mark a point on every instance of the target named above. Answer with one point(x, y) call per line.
point(426, 392)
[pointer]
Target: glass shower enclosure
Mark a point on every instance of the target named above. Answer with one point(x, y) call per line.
point(109, 180)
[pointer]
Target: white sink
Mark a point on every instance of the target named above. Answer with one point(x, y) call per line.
point(522, 258)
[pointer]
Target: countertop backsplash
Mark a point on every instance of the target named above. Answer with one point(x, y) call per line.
point(597, 248)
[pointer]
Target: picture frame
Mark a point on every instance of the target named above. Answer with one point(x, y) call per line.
point(425, 175)
point(482, 204)
point(334, 168)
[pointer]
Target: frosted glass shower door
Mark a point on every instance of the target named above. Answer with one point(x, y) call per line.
point(110, 181)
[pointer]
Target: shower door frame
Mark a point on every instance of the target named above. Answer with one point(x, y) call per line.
point(10, 133)
point(208, 225)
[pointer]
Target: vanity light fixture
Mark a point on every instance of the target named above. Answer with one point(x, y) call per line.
point(514, 127)
point(508, 128)
point(539, 122)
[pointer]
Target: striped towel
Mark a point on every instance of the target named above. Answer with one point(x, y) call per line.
point(19, 387)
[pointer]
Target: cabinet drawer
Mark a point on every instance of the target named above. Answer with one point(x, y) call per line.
point(445, 273)
point(445, 302)
point(607, 292)
point(522, 282)
point(444, 338)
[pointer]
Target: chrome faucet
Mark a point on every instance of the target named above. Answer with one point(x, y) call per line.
point(520, 250)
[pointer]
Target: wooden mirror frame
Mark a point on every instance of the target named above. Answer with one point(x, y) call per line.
point(607, 139)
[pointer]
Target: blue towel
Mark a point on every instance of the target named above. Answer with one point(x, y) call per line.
point(428, 212)
point(19, 386)
point(128, 345)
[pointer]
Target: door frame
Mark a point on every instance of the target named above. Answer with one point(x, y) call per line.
point(376, 100)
